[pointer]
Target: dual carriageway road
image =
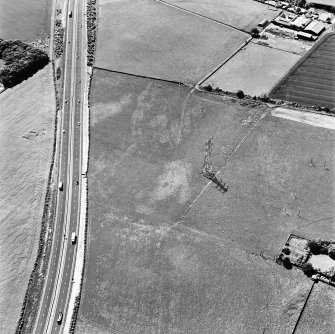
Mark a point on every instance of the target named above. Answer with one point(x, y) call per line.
point(59, 278)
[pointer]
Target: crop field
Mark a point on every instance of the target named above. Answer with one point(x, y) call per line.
point(242, 14)
point(26, 20)
point(26, 138)
point(319, 313)
point(255, 70)
point(166, 253)
point(312, 81)
point(149, 38)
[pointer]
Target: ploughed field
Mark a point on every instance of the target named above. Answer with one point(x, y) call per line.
point(312, 81)
point(148, 38)
point(167, 251)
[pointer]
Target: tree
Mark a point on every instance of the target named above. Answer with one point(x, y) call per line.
point(308, 269)
point(286, 250)
point(314, 246)
point(254, 32)
point(331, 251)
point(240, 94)
point(301, 3)
point(287, 262)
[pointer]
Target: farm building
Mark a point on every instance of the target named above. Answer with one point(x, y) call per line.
point(282, 22)
point(305, 35)
point(300, 22)
point(325, 17)
point(315, 28)
point(328, 3)
point(263, 23)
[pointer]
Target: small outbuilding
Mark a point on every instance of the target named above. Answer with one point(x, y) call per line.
point(305, 35)
point(315, 28)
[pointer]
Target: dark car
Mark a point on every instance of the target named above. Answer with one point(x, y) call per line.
point(60, 317)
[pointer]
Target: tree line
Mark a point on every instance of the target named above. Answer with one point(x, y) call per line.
point(21, 61)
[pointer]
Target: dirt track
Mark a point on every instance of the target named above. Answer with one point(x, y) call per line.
point(323, 121)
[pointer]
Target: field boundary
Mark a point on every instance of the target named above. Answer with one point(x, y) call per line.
point(303, 308)
point(299, 63)
point(202, 16)
point(143, 76)
point(224, 62)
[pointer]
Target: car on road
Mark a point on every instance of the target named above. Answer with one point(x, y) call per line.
point(60, 317)
point(73, 237)
point(77, 182)
point(63, 130)
point(70, 13)
point(65, 101)
point(78, 123)
point(78, 101)
point(60, 185)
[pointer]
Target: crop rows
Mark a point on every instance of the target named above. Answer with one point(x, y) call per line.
point(313, 81)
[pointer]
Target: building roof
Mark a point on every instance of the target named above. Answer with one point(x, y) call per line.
point(301, 21)
point(325, 16)
point(324, 2)
point(315, 27)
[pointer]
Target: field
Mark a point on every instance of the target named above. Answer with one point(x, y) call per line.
point(166, 253)
point(273, 188)
point(26, 138)
point(242, 14)
point(312, 81)
point(319, 313)
point(255, 70)
point(26, 20)
point(148, 38)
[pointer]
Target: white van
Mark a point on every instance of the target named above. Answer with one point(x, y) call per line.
point(73, 237)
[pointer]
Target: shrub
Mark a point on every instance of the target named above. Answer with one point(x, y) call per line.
point(208, 88)
point(331, 251)
point(308, 269)
point(286, 250)
point(240, 94)
point(58, 73)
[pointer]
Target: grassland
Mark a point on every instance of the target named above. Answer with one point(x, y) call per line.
point(255, 70)
point(27, 129)
point(273, 188)
point(168, 254)
point(26, 20)
point(312, 81)
point(148, 38)
point(319, 313)
point(242, 14)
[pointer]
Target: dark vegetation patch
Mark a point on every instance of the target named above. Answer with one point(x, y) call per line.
point(91, 30)
point(21, 61)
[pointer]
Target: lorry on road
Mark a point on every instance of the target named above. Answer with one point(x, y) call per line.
point(70, 13)
point(60, 185)
point(73, 237)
